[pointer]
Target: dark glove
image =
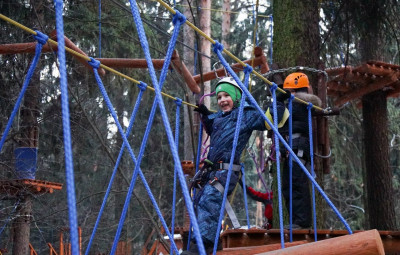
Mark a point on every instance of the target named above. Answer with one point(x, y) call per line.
point(202, 109)
point(281, 97)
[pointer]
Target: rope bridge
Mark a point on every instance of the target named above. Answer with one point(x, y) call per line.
point(158, 103)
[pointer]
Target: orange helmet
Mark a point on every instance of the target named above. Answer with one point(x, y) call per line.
point(296, 81)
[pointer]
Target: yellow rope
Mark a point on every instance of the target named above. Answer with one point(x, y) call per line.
point(170, 9)
point(137, 82)
point(13, 22)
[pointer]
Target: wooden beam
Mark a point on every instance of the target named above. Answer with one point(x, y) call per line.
point(374, 69)
point(379, 84)
point(256, 249)
point(17, 48)
point(130, 63)
point(363, 243)
point(338, 86)
point(259, 53)
point(395, 92)
point(258, 61)
point(72, 46)
point(181, 68)
point(336, 71)
point(384, 65)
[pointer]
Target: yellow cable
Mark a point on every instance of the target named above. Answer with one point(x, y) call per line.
point(137, 82)
point(13, 22)
point(170, 9)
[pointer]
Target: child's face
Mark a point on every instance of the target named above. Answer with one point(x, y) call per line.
point(225, 102)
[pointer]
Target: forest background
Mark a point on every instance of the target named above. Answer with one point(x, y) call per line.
point(94, 139)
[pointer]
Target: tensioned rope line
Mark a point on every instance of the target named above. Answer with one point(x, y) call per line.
point(218, 49)
point(68, 157)
point(13, 22)
point(233, 56)
point(142, 87)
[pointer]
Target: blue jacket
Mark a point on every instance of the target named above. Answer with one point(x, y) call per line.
point(221, 128)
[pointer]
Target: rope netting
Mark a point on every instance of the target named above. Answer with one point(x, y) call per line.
point(158, 104)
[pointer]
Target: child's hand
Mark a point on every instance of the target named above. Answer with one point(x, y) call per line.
point(202, 109)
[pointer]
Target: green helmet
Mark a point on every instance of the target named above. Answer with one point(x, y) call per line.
point(229, 85)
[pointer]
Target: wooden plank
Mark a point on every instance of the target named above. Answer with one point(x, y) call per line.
point(72, 46)
point(256, 249)
point(374, 69)
point(221, 72)
point(385, 65)
point(337, 86)
point(381, 83)
point(338, 70)
point(181, 68)
point(363, 243)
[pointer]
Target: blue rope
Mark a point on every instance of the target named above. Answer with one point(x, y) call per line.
point(42, 39)
point(245, 196)
point(218, 47)
point(69, 167)
point(290, 104)
point(281, 139)
point(142, 87)
point(96, 65)
point(310, 131)
point(278, 166)
point(178, 19)
point(99, 28)
point(199, 142)
point(228, 178)
point(247, 71)
point(178, 102)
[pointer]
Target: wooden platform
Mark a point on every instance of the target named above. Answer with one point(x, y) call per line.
point(232, 238)
point(15, 187)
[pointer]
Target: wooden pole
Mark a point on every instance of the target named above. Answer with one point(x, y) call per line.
point(181, 68)
point(363, 243)
point(256, 249)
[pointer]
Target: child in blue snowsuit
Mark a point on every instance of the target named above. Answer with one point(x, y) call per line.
point(221, 128)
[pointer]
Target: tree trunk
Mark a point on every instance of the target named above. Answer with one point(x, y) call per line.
point(378, 174)
point(380, 198)
point(21, 226)
point(226, 23)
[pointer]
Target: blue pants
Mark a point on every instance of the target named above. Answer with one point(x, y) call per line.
point(209, 205)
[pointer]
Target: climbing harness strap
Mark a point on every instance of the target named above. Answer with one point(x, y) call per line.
point(225, 166)
point(296, 135)
point(228, 206)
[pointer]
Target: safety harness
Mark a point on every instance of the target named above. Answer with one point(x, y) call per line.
point(197, 182)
